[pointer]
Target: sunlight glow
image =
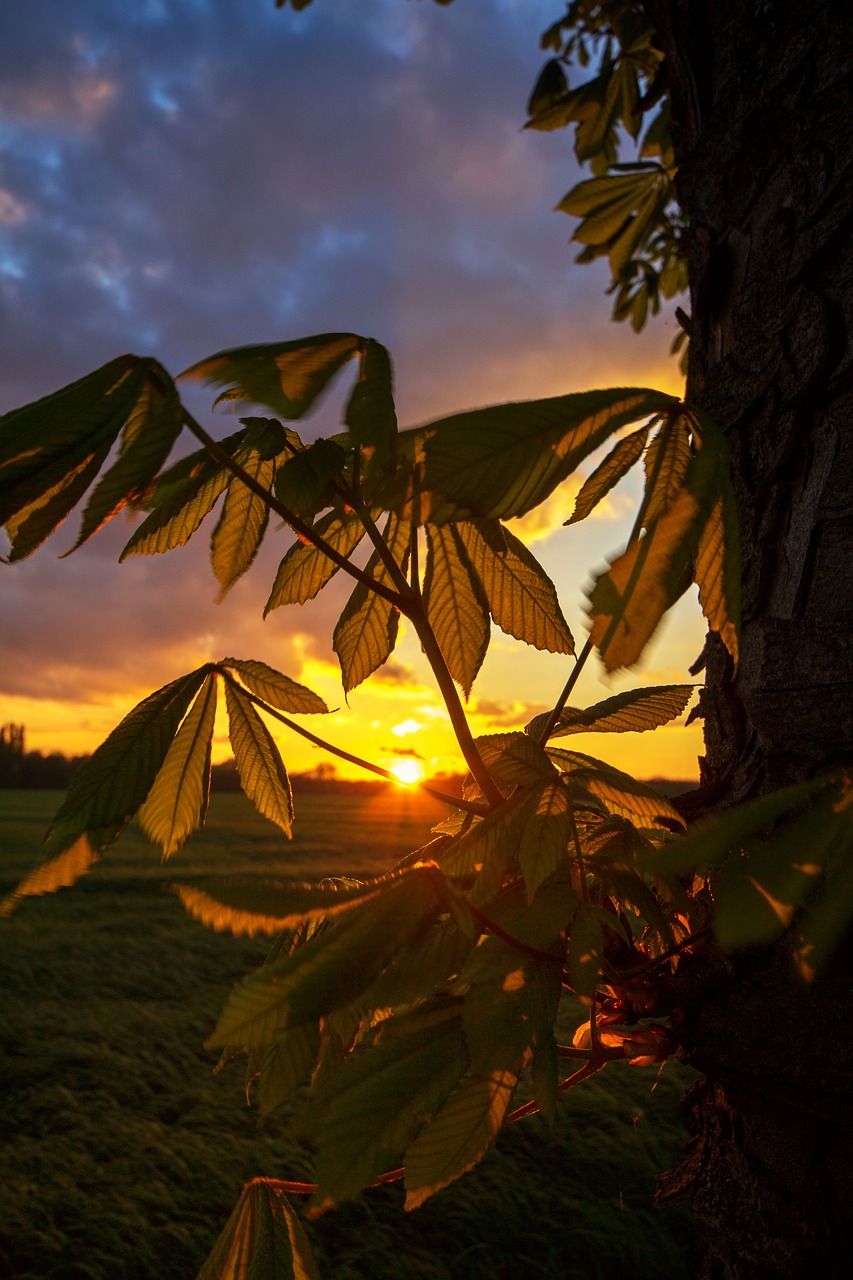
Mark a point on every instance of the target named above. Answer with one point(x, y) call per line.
point(408, 771)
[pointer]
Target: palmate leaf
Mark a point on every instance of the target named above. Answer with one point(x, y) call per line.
point(618, 792)
point(666, 462)
point(458, 1137)
point(514, 759)
point(489, 847)
point(521, 597)
point(184, 495)
point(543, 846)
point(31, 526)
point(456, 605)
point(366, 632)
point(617, 464)
point(381, 1099)
point(268, 906)
point(241, 525)
point(49, 447)
point(333, 967)
point(628, 601)
point(285, 1066)
point(262, 1240)
point(305, 569)
point(276, 689)
point(634, 711)
point(502, 461)
point(177, 802)
point(262, 773)
point(110, 786)
point(305, 483)
point(287, 377)
point(370, 415)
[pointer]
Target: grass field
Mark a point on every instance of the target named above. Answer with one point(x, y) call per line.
point(121, 1154)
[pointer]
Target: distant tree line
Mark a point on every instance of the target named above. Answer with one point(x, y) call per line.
point(32, 769)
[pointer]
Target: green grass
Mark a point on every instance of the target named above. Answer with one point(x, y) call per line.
point(121, 1153)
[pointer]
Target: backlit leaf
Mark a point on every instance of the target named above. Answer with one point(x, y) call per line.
point(287, 377)
point(262, 773)
point(455, 605)
point(717, 570)
point(586, 943)
point(29, 528)
point(62, 871)
point(618, 792)
point(514, 759)
point(617, 464)
point(305, 570)
point(709, 841)
point(304, 483)
point(383, 1098)
point(458, 1136)
point(262, 1240)
point(333, 967)
point(278, 690)
point(503, 461)
point(286, 1065)
point(521, 597)
point(43, 442)
point(241, 525)
point(109, 787)
point(489, 847)
point(177, 802)
point(542, 849)
point(152, 427)
point(267, 906)
point(370, 414)
point(366, 631)
point(666, 462)
point(633, 711)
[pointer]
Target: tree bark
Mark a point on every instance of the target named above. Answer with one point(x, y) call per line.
point(762, 102)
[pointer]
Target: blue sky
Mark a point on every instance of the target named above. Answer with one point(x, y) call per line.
point(181, 177)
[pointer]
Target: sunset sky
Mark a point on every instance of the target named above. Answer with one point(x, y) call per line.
point(182, 176)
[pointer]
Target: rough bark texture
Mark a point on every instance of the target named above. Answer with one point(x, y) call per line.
point(763, 113)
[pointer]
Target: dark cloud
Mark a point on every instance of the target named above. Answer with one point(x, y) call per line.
point(180, 176)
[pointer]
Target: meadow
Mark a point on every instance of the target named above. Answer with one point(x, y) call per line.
point(122, 1153)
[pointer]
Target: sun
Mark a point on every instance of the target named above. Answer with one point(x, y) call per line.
point(408, 770)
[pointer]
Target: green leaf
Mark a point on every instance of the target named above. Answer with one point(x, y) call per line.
point(544, 839)
point(34, 523)
point(366, 631)
point(456, 605)
point(253, 906)
point(42, 443)
point(503, 461)
point(370, 414)
point(628, 601)
point(586, 944)
point(521, 597)
point(458, 1137)
point(108, 789)
point(59, 873)
point(285, 1066)
point(285, 376)
point(262, 1240)
point(305, 570)
point(241, 525)
point(489, 847)
point(333, 967)
point(618, 792)
point(634, 711)
point(709, 841)
point(262, 773)
point(152, 427)
point(514, 759)
point(184, 495)
point(177, 802)
point(382, 1099)
point(305, 483)
point(617, 464)
point(666, 462)
point(278, 690)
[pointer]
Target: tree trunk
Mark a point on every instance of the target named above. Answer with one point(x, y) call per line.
point(762, 105)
